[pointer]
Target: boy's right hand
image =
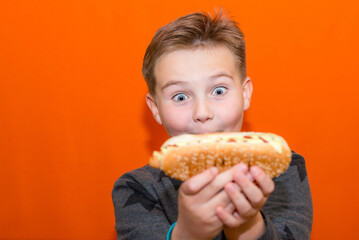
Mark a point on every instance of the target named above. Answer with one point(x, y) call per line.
point(198, 198)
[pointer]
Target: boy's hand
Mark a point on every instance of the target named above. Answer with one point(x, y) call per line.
point(248, 198)
point(198, 199)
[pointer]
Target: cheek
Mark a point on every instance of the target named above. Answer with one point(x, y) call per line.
point(175, 119)
point(231, 113)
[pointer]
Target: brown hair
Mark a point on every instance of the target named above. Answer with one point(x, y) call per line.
point(194, 30)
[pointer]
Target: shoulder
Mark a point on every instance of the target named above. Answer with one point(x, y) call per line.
point(295, 179)
point(144, 173)
point(138, 177)
point(298, 163)
point(296, 158)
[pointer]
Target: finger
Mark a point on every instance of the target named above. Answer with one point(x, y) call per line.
point(250, 177)
point(239, 200)
point(218, 183)
point(253, 193)
point(220, 199)
point(199, 181)
point(265, 183)
point(230, 208)
point(228, 219)
point(243, 167)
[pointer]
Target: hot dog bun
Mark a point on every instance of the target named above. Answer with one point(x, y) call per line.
point(184, 156)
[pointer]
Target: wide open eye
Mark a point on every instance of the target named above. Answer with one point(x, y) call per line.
point(219, 90)
point(180, 97)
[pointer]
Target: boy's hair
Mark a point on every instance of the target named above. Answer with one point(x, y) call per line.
point(192, 31)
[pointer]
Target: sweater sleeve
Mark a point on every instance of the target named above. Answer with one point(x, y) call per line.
point(288, 213)
point(145, 204)
point(139, 211)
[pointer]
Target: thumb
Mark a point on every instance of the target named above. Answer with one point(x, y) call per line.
point(194, 184)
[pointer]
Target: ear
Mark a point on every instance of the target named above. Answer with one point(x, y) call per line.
point(151, 103)
point(247, 92)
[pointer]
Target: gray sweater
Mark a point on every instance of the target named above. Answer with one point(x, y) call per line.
point(145, 203)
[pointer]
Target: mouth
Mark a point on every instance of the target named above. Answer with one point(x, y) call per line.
point(206, 131)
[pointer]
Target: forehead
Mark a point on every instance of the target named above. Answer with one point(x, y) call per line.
point(190, 63)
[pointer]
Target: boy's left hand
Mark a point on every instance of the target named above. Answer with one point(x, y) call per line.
point(247, 199)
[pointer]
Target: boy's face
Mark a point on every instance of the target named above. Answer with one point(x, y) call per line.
point(199, 91)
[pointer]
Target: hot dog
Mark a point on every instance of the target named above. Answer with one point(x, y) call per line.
point(184, 156)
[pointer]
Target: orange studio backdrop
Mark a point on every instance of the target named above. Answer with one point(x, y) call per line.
point(73, 117)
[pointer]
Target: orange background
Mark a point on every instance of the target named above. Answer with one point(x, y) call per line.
point(73, 116)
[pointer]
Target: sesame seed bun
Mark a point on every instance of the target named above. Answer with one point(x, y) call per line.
point(184, 156)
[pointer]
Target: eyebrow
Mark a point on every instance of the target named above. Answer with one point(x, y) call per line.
point(170, 83)
point(213, 77)
point(221, 74)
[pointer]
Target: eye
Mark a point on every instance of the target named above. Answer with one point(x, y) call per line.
point(180, 97)
point(219, 90)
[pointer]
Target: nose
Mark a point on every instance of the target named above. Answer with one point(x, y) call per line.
point(202, 111)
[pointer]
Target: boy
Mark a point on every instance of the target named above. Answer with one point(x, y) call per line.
point(196, 74)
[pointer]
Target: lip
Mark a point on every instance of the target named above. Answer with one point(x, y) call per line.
point(206, 132)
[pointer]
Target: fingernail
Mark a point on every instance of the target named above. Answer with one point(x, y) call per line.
point(230, 188)
point(238, 176)
point(243, 167)
point(214, 170)
point(220, 210)
point(254, 170)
